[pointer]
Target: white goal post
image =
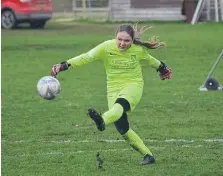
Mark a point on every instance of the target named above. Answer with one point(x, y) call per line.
point(218, 6)
point(203, 88)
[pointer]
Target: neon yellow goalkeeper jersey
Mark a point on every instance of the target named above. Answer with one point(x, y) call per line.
point(121, 68)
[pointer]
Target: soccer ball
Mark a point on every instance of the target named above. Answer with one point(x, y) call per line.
point(48, 87)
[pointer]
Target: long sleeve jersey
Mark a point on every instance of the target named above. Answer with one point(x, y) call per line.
point(121, 67)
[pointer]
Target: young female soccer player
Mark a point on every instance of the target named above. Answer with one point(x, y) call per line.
point(121, 57)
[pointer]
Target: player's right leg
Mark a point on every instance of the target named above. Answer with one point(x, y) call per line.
point(110, 116)
point(132, 93)
point(97, 118)
point(117, 106)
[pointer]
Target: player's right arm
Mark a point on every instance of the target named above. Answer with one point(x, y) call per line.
point(78, 61)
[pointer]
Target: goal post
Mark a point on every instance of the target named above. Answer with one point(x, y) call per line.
point(198, 11)
point(218, 7)
point(203, 88)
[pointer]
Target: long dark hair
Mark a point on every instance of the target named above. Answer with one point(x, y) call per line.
point(153, 43)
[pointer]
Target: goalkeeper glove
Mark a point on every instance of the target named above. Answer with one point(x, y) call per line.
point(59, 67)
point(165, 72)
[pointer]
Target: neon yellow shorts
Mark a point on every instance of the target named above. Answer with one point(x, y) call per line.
point(132, 93)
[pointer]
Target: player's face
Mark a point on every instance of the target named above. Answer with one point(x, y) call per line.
point(123, 40)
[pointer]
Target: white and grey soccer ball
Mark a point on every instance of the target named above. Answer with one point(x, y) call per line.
point(48, 87)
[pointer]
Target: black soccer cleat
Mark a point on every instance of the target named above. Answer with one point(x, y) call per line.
point(148, 159)
point(94, 115)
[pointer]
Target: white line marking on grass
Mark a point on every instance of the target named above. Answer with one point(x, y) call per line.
point(21, 141)
point(179, 140)
point(213, 140)
point(72, 152)
point(189, 146)
point(59, 142)
point(111, 140)
point(186, 143)
point(102, 150)
point(146, 140)
point(115, 140)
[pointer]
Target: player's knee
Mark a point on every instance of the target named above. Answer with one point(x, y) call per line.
point(124, 103)
point(122, 124)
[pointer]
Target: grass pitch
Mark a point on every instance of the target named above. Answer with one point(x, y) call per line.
point(181, 125)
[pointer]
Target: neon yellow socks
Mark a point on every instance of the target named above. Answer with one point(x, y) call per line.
point(113, 114)
point(136, 143)
point(133, 139)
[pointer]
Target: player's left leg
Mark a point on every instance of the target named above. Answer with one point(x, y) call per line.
point(137, 143)
point(122, 125)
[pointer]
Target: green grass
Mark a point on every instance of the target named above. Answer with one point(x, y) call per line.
point(181, 125)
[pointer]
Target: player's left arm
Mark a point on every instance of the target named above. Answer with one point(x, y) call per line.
point(164, 71)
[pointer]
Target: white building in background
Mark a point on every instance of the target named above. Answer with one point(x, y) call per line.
point(125, 10)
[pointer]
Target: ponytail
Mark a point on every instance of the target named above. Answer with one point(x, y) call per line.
point(153, 43)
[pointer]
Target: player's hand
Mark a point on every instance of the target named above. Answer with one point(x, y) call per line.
point(58, 68)
point(55, 70)
point(165, 72)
